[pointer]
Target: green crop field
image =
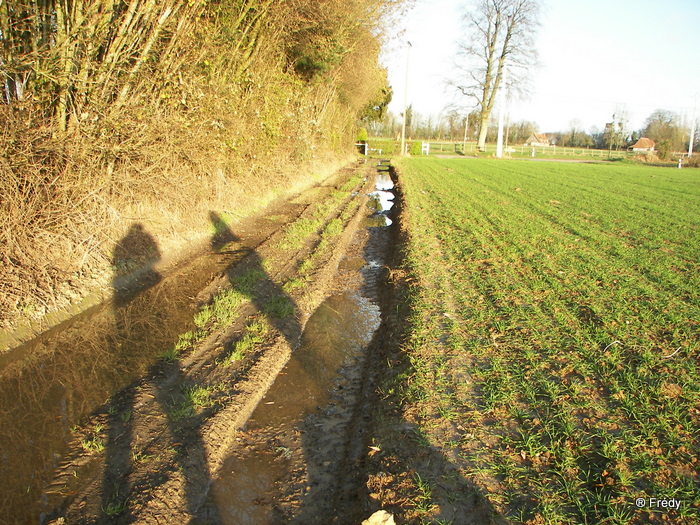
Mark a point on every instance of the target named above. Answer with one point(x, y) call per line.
point(555, 334)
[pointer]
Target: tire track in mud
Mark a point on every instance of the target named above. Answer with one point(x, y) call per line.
point(297, 459)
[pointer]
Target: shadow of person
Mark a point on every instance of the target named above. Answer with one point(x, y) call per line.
point(136, 254)
point(251, 279)
point(148, 313)
point(133, 261)
point(268, 297)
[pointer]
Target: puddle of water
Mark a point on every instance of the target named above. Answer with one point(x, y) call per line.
point(337, 332)
point(384, 182)
point(50, 384)
point(244, 490)
point(381, 200)
point(351, 263)
point(376, 221)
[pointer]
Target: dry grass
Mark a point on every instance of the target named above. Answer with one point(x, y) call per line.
point(207, 119)
point(65, 203)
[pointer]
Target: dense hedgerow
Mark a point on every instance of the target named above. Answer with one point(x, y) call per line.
point(155, 113)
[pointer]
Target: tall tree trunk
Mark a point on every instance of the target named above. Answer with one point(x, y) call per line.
point(155, 33)
point(483, 129)
point(65, 65)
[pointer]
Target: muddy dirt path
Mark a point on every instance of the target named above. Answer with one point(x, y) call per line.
point(295, 461)
point(190, 357)
point(50, 385)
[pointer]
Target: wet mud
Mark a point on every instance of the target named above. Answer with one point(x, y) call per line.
point(49, 386)
point(295, 460)
point(334, 338)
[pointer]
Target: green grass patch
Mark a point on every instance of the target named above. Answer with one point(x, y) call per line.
point(224, 306)
point(330, 203)
point(351, 183)
point(220, 223)
point(195, 397)
point(279, 306)
point(255, 332)
point(333, 229)
point(306, 266)
point(555, 316)
point(116, 508)
point(295, 283)
point(185, 341)
point(295, 234)
point(246, 282)
point(94, 443)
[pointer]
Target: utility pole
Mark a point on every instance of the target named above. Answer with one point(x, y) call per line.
point(507, 129)
point(405, 98)
point(466, 127)
point(501, 113)
point(692, 131)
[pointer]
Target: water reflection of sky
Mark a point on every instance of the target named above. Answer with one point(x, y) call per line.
point(384, 182)
point(384, 199)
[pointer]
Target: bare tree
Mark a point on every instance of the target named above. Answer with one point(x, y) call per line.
point(497, 31)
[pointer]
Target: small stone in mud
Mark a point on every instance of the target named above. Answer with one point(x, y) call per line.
point(381, 517)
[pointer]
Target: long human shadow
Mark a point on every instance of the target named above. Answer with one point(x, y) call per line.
point(138, 316)
point(250, 278)
point(135, 255)
point(265, 294)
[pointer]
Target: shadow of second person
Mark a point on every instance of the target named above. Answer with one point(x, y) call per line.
point(253, 281)
point(133, 261)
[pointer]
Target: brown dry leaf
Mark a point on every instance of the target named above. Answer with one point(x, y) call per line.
point(374, 450)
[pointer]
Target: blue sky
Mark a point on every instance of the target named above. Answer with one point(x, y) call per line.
point(597, 57)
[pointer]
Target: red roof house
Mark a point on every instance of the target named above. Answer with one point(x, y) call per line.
point(643, 144)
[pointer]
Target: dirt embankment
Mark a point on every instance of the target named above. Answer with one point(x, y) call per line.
point(51, 277)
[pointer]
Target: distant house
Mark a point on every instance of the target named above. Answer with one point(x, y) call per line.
point(537, 139)
point(643, 144)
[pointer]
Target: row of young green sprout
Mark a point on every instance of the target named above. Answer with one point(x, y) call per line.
point(549, 286)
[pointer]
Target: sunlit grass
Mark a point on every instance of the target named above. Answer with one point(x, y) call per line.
point(254, 335)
